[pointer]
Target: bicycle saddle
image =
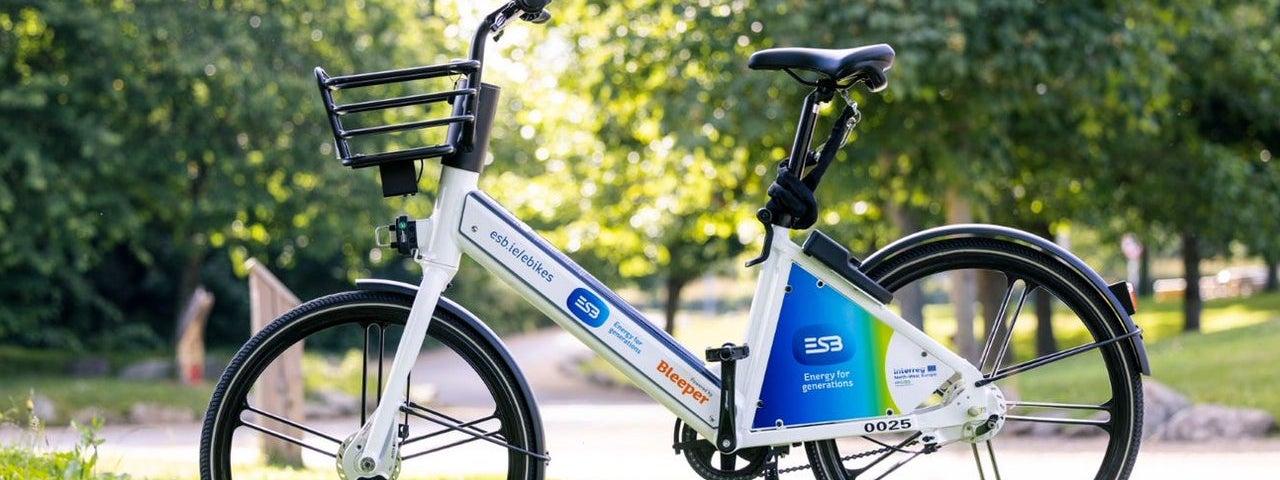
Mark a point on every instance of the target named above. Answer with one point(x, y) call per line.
point(867, 63)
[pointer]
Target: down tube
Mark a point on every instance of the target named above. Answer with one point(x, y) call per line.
point(575, 300)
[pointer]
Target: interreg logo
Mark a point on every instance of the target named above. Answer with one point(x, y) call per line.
point(587, 307)
point(821, 344)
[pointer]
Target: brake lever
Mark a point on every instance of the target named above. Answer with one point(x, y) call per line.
point(501, 22)
point(537, 18)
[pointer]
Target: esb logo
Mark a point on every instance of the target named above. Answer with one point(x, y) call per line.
point(824, 344)
point(821, 344)
point(589, 308)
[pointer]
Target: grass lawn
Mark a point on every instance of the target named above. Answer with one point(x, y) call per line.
point(112, 397)
point(1236, 367)
point(1232, 361)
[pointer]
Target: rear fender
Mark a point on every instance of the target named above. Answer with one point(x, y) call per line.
point(1136, 349)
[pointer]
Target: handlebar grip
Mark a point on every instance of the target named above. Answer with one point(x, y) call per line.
point(532, 6)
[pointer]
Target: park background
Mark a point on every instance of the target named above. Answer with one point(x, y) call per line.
point(150, 148)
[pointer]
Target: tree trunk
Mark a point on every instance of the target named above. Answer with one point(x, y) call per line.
point(1273, 276)
point(910, 298)
point(675, 286)
point(962, 292)
point(1046, 343)
point(992, 286)
point(189, 281)
point(1191, 272)
point(196, 248)
point(1146, 285)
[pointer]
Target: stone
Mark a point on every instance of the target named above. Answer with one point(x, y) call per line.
point(43, 408)
point(155, 414)
point(154, 369)
point(1160, 403)
point(89, 367)
point(1034, 429)
point(331, 404)
point(86, 415)
point(1216, 422)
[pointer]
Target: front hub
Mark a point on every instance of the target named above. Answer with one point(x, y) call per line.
point(354, 464)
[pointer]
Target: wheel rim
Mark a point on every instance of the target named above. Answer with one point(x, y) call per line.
point(1079, 414)
point(462, 415)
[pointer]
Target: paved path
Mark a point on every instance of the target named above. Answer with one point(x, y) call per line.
point(594, 433)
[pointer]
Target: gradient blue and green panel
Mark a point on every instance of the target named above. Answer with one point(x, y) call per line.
point(828, 359)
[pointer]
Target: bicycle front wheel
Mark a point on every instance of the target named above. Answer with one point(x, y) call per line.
point(1074, 417)
point(465, 414)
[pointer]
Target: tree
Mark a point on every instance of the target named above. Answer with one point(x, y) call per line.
point(180, 127)
point(1206, 190)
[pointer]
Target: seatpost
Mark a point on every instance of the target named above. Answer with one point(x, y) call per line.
point(794, 165)
point(804, 137)
point(804, 131)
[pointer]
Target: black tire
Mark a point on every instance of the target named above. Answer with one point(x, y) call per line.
point(365, 326)
point(1108, 377)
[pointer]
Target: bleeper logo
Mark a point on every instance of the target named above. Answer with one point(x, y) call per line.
point(589, 308)
point(821, 344)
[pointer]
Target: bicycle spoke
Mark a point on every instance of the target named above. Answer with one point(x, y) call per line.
point(1091, 377)
point(1000, 333)
point(360, 326)
point(1059, 406)
point(288, 438)
point(451, 424)
point(290, 423)
point(382, 356)
point(1054, 357)
point(977, 460)
point(364, 375)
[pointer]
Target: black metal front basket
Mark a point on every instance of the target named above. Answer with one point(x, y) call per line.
point(368, 131)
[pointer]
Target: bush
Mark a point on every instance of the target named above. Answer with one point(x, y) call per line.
point(26, 461)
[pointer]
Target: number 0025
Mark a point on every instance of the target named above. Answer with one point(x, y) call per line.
point(887, 425)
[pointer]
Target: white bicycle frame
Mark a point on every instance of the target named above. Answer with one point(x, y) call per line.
point(466, 220)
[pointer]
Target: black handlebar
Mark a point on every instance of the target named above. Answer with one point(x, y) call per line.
point(532, 6)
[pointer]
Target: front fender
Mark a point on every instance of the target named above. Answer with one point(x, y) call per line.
point(482, 333)
point(1137, 350)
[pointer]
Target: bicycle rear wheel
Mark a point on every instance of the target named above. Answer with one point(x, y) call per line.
point(466, 412)
point(1075, 417)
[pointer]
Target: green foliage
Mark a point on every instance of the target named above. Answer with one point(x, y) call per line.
point(172, 140)
point(178, 139)
point(26, 460)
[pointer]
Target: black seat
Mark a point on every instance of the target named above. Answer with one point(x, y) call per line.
point(866, 64)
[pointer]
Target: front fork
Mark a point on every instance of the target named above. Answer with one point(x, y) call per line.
point(373, 451)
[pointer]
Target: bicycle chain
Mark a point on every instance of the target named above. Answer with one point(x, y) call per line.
point(843, 459)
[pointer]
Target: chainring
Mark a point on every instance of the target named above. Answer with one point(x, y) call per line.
point(700, 452)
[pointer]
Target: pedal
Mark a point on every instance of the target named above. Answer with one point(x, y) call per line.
point(727, 353)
